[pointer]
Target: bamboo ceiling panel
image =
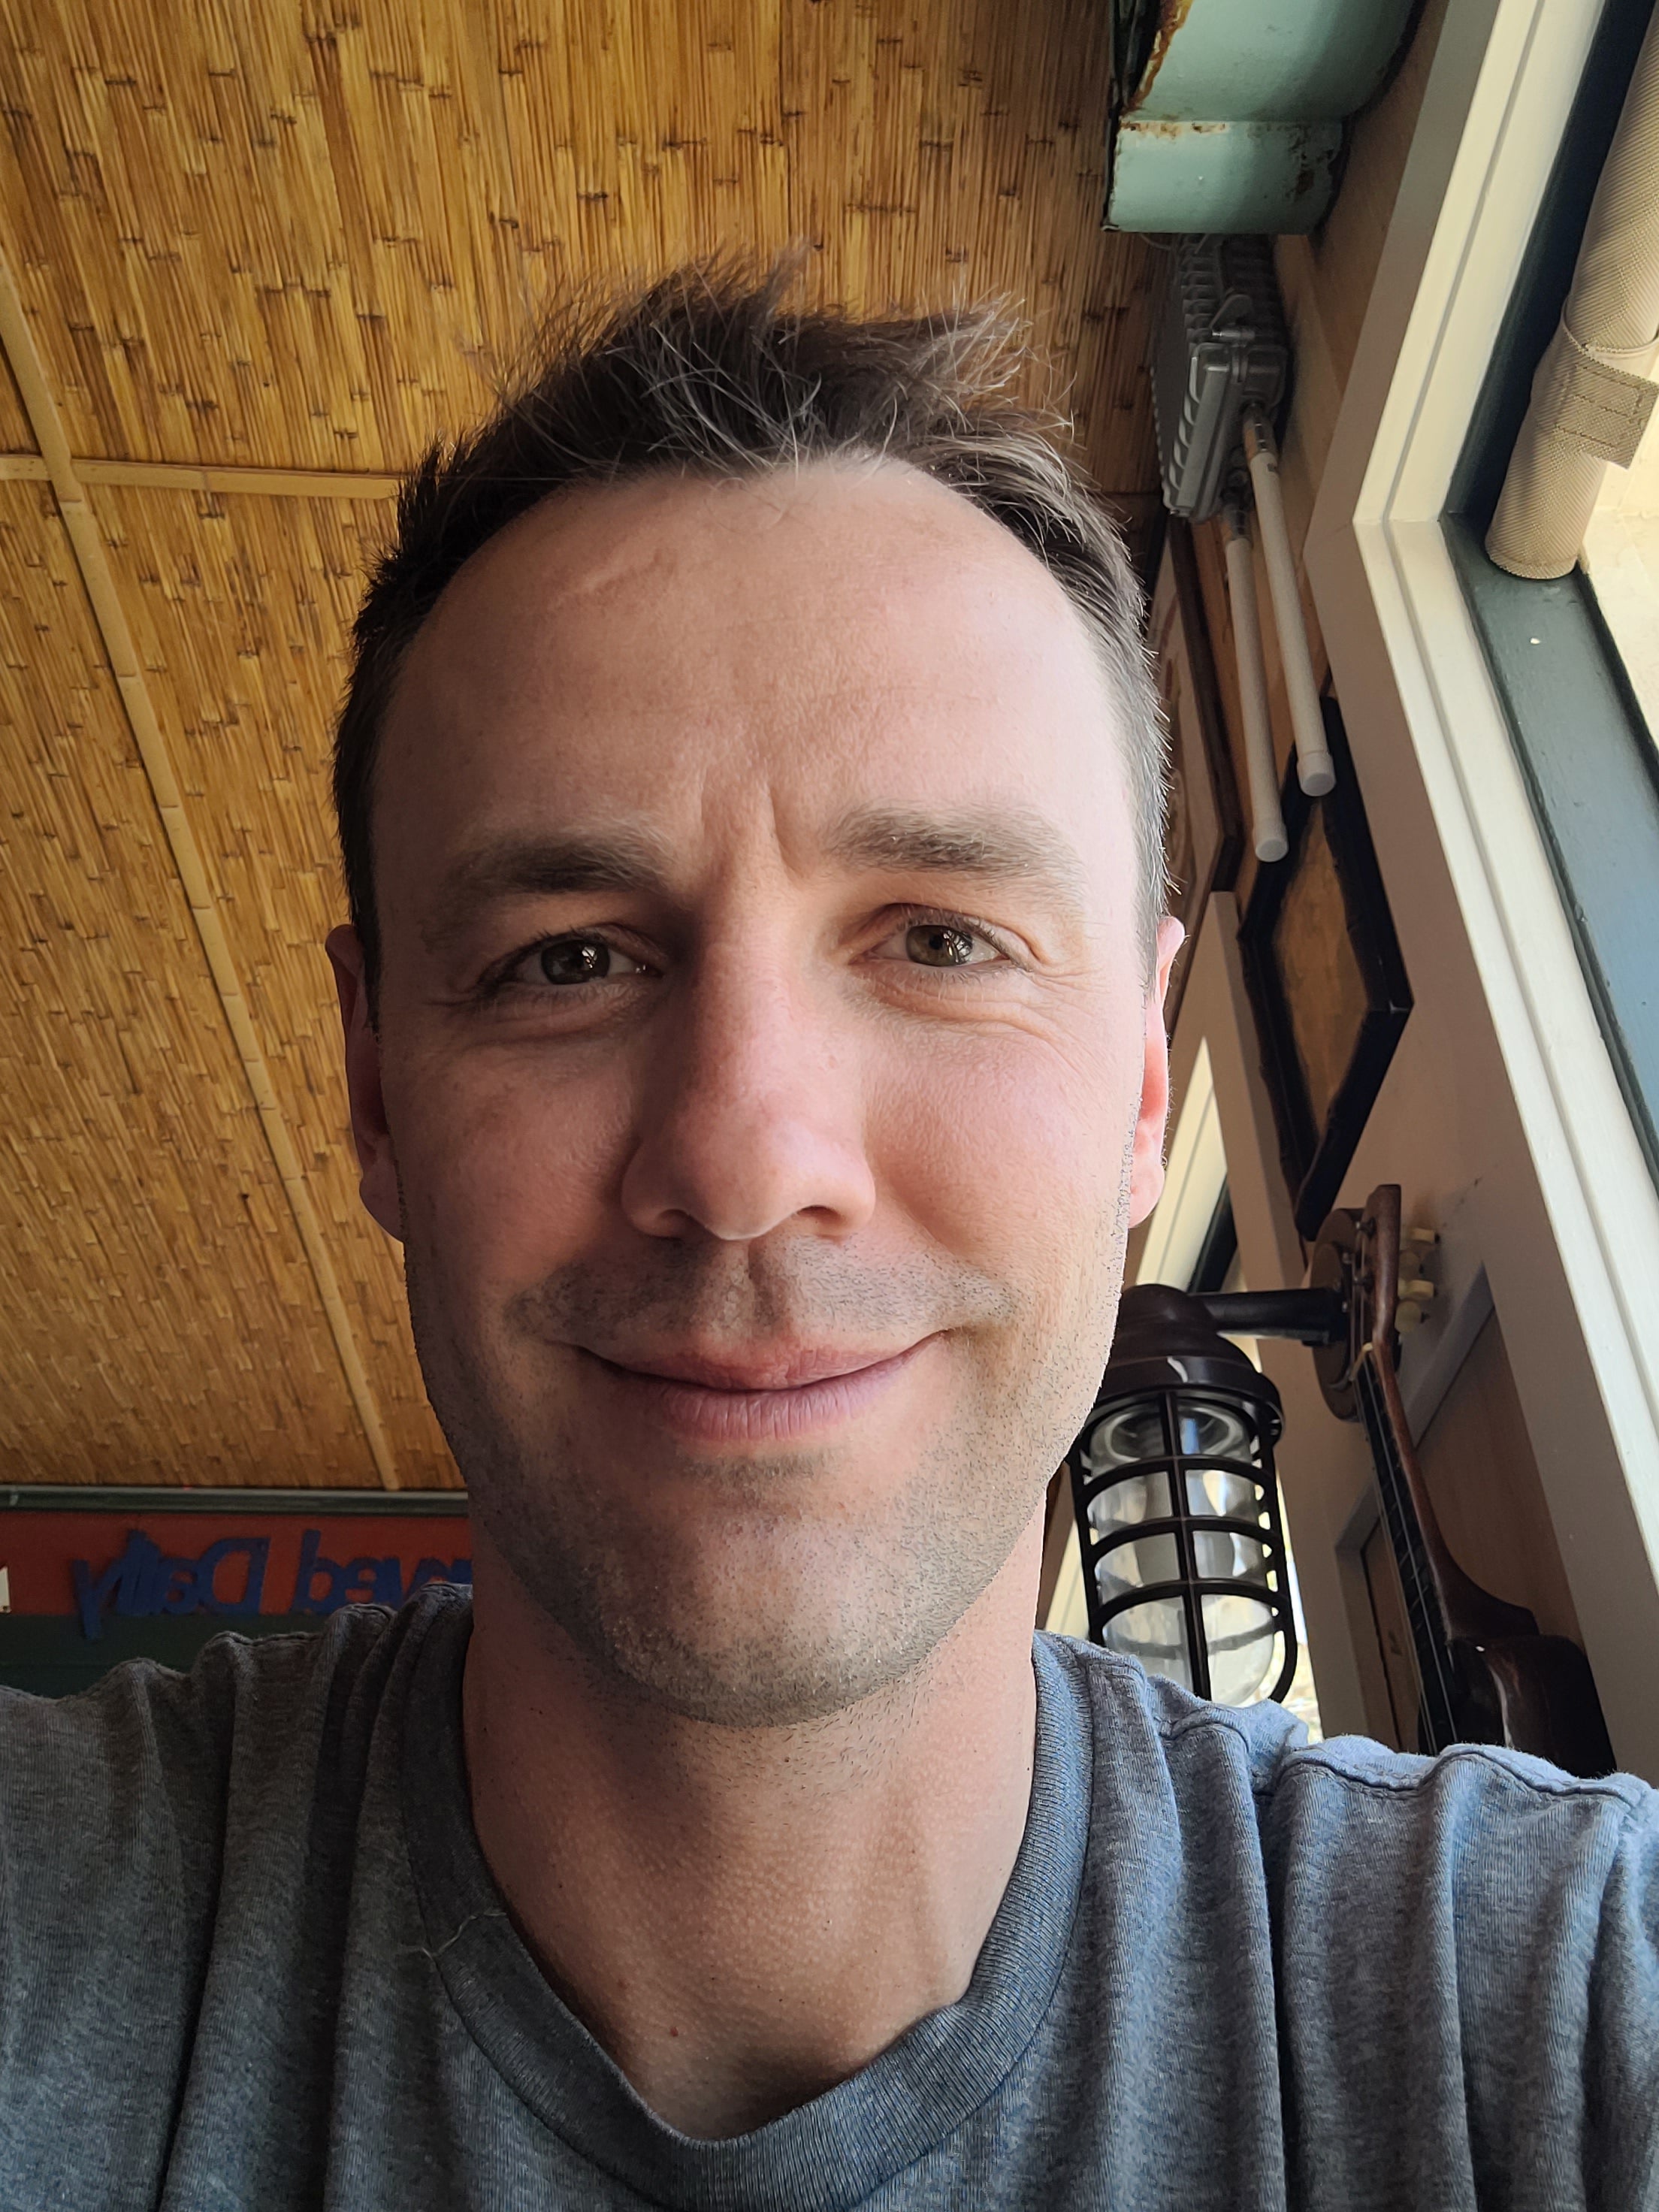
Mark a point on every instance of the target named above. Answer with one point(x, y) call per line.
point(254, 231)
point(239, 608)
point(158, 1320)
point(315, 234)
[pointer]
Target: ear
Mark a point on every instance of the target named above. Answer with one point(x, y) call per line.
point(1146, 1171)
point(375, 1157)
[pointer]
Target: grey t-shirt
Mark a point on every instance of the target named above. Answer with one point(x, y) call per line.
point(251, 1957)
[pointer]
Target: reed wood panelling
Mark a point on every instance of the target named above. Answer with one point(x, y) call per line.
point(958, 153)
point(316, 238)
point(158, 1320)
point(240, 608)
point(301, 235)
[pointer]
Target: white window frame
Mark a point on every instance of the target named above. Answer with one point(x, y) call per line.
point(1392, 608)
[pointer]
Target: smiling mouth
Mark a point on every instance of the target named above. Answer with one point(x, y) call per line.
point(757, 1402)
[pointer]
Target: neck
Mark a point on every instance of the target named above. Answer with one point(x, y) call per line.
point(743, 1917)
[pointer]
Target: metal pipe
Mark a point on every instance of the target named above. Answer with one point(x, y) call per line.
point(1315, 768)
point(1303, 1316)
point(1266, 823)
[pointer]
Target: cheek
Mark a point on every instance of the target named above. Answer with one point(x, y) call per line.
point(1007, 1150)
point(506, 1170)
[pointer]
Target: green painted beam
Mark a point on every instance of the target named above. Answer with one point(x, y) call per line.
point(1233, 177)
point(1234, 120)
point(1270, 61)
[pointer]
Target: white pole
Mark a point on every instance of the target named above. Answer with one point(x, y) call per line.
point(1315, 770)
point(1266, 823)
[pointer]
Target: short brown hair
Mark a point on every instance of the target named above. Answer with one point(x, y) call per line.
point(709, 372)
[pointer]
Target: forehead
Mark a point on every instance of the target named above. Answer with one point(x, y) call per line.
point(673, 649)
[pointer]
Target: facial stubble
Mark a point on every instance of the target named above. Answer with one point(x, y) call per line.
point(806, 1582)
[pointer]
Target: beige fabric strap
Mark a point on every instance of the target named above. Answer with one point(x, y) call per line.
point(1591, 402)
point(1592, 397)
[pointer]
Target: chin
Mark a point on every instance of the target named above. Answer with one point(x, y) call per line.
point(741, 1610)
point(775, 1681)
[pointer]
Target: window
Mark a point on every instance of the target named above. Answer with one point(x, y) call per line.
point(1524, 769)
point(1569, 658)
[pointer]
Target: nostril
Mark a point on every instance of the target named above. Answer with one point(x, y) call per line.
point(738, 1178)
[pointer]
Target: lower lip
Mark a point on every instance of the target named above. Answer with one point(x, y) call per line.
point(694, 1411)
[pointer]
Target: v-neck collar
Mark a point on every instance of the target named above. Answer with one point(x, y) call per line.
point(827, 2154)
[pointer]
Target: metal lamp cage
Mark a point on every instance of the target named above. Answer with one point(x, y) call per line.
point(1176, 1498)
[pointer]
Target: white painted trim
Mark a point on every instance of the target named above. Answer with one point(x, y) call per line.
point(1194, 1180)
point(1502, 87)
point(1529, 68)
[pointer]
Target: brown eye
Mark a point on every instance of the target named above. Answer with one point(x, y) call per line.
point(937, 944)
point(581, 960)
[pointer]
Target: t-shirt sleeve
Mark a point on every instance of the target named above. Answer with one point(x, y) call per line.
point(111, 1816)
point(120, 1809)
point(1469, 1969)
point(1621, 2056)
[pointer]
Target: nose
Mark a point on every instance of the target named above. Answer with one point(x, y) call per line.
point(752, 1114)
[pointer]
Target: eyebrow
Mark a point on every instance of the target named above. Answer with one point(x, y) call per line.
point(544, 867)
point(991, 844)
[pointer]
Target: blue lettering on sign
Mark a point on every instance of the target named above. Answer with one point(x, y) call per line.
point(322, 1584)
point(120, 1582)
point(308, 1598)
point(255, 1550)
point(143, 1581)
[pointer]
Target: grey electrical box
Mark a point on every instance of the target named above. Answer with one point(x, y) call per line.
point(1221, 343)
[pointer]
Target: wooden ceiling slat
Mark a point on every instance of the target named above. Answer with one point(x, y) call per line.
point(182, 475)
point(158, 1321)
point(15, 436)
point(156, 755)
point(239, 608)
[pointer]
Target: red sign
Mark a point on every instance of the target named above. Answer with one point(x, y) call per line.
point(134, 1565)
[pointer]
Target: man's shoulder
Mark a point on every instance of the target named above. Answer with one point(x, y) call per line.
point(1340, 1787)
point(178, 1849)
point(82, 1769)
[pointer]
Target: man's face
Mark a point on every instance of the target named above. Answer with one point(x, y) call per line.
point(766, 1076)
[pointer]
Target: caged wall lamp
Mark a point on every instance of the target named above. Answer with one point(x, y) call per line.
point(1176, 1498)
point(1177, 1505)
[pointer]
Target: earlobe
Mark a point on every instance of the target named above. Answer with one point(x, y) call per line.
point(376, 1158)
point(1146, 1173)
